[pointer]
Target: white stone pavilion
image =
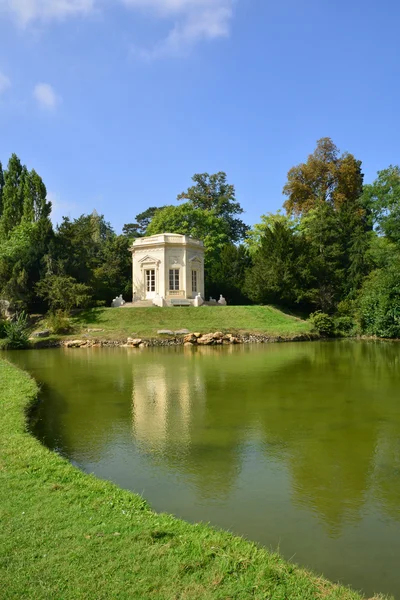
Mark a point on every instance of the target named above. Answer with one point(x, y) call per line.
point(167, 269)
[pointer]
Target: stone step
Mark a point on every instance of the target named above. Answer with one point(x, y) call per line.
point(180, 302)
point(138, 304)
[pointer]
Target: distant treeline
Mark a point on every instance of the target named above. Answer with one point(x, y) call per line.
point(334, 248)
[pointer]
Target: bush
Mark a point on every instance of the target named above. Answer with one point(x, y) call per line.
point(17, 332)
point(323, 323)
point(346, 308)
point(59, 322)
point(345, 325)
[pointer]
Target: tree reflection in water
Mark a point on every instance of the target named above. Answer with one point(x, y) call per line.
point(290, 444)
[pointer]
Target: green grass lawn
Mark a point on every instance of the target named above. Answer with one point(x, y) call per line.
point(66, 535)
point(119, 323)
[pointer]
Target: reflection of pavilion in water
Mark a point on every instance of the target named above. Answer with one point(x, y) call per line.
point(173, 423)
point(164, 403)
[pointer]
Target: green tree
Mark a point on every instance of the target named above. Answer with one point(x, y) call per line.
point(320, 231)
point(36, 206)
point(63, 292)
point(78, 246)
point(1, 189)
point(326, 193)
point(143, 220)
point(88, 250)
point(213, 194)
point(12, 196)
point(326, 177)
point(20, 263)
point(197, 223)
point(194, 222)
point(131, 231)
point(268, 222)
point(227, 275)
point(113, 276)
point(25, 233)
point(382, 201)
point(379, 301)
point(277, 275)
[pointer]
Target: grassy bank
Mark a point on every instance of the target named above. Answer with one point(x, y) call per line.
point(67, 535)
point(118, 323)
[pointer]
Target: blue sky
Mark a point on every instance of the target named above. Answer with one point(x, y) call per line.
point(117, 103)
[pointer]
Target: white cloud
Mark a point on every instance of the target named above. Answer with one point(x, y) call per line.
point(174, 6)
point(46, 96)
point(5, 83)
point(192, 20)
point(26, 11)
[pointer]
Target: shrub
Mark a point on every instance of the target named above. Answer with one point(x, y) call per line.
point(323, 323)
point(346, 308)
point(17, 332)
point(59, 322)
point(345, 325)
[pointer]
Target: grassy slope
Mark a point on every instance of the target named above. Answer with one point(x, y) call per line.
point(67, 535)
point(122, 322)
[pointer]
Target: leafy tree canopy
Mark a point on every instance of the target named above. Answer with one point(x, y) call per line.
point(213, 194)
point(382, 201)
point(131, 230)
point(25, 231)
point(226, 275)
point(36, 206)
point(143, 219)
point(78, 246)
point(1, 188)
point(23, 196)
point(326, 177)
point(12, 196)
point(268, 222)
point(63, 292)
point(379, 301)
point(278, 265)
point(113, 275)
point(336, 249)
point(194, 222)
point(21, 256)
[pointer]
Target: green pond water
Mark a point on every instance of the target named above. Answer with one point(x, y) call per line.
point(295, 446)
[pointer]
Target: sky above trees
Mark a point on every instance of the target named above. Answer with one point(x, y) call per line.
point(117, 103)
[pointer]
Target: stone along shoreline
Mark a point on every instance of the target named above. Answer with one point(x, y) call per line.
point(181, 338)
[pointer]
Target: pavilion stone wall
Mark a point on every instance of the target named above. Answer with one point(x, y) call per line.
point(143, 259)
point(165, 252)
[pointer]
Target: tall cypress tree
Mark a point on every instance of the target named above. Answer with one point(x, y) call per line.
point(25, 223)
point(12, 196)
point(1, 188)
point(35, 203)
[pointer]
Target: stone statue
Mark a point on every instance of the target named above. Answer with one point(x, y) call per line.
point(118, 302)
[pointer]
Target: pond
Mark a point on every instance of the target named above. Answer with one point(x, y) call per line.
point(295, 446)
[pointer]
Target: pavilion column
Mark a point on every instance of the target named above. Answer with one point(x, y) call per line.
point(185, 272)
